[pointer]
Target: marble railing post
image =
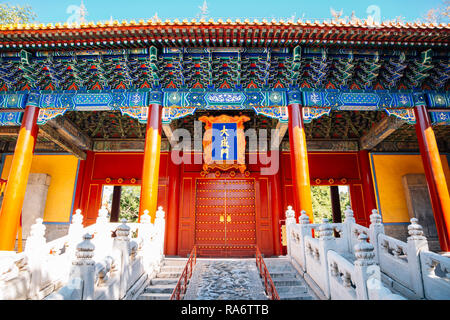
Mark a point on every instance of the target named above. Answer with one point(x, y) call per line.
point(121, 252)
point(416, 243)
point(326, 242)
point(146, 231)
point(347, 227)
point(75, 233)
point(376, 227)
point(83, 267)
point(35, 252)
point(303, 221)
point(102, 239)
point(160, 227)
point(364, 266)
point(290, 221)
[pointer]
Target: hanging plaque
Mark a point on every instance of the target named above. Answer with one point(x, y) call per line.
point(224, 142)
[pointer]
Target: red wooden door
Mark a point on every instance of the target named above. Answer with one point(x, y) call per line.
point(225, 218)
point(210, 218)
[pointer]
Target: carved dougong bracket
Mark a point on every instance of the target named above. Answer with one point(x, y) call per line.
point(224, 165)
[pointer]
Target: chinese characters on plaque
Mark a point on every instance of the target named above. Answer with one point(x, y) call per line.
point(224, 142)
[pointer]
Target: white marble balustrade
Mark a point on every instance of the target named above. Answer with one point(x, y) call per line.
point(105, 261)
point(349, 261)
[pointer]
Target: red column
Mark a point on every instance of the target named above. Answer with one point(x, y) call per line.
point(299, 160)
point(150, 170)
point(434, 173)
point(370, 201)
point(173, 212)
point(18, 178)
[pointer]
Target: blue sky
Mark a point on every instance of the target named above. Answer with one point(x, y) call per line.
point(100, 10)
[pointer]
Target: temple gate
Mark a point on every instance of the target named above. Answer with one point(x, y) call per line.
point(335, 98)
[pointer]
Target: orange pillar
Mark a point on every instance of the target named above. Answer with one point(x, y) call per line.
point(434, 173)
point(18, 178)
point(150, 171)
point(299, 160)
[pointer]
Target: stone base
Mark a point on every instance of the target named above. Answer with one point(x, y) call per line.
point(52, 232)
point(400, 232)
point(397, 231)
point(55, 231)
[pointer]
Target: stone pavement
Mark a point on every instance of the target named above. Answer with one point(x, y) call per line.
point(225, 279)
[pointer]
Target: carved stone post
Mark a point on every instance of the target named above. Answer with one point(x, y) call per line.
point(146, 231)
point(83, 267)
point(121, 252)
point(326, 242)
point(75, 234)
point(35, 252)
point(416, 242)
point(304, 230)
point(376, 228)
point(160, 226)
point(102, 239)
point(304, 218)
point(347, 227)
point(364, 266)
point(290, 221)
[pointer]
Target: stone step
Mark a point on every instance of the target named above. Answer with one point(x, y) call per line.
point(177, 269)
point(160, 288)
point(174, 262)
point(278, 275)
point(286, 290)
point(168, 275)
point(279, 269)
point(296, 297)
point(156, 281)
point(286, 282)
point(155, 296)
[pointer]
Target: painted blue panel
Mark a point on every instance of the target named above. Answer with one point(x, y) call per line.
point(90, 99)
point(438, 100)
point(11, 118)
point(341, 100)
point(13, 101)
point(224, 141)
point(440, 118)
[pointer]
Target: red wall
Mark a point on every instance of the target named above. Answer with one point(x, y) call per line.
point(325, 166)
point(98, 167)
point(270, 210)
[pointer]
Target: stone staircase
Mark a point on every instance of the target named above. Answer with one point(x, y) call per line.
point(289, 283)
point(165, 281)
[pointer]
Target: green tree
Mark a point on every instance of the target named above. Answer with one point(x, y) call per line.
point(16, 14)
point(345, 202)
point(129, 203)
point(321, 203)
